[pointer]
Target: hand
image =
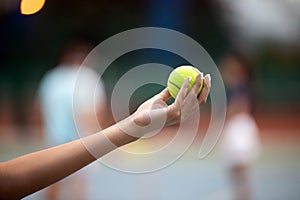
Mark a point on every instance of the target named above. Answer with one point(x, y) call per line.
point(155, 113)
point(187, 102)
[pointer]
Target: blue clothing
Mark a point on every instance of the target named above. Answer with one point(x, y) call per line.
point(56, 95)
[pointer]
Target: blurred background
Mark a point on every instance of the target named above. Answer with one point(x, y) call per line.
point(265, 34)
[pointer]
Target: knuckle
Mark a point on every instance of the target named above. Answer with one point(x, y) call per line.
point(202, 101)
point(177, 115)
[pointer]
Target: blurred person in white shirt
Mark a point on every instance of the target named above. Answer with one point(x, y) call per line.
point(56, 92)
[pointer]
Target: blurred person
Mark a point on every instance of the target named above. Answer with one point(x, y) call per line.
point(240, 142)
point(32, 172)
point(56, 93)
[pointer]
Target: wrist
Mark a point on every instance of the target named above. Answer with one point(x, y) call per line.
point(118, 134)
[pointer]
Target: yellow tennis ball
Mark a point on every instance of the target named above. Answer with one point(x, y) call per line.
point(177, 77)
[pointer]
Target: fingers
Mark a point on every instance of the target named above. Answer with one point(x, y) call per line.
point(183, 91)
point(164, 95)
point(197, 84)
point(174, 110)
point(205, 91)
point(187, 102)
point(192, 102)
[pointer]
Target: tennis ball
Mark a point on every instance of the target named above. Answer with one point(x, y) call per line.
point(177, 77)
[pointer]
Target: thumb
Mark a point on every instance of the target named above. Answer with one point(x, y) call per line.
point(164, 95)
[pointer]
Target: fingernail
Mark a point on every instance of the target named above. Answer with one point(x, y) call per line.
point(208, 76)
point(189, 78)
point(201, 75)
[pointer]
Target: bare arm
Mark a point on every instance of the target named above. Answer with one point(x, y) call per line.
point(29, 173)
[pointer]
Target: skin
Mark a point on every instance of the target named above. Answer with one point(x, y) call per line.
point(29, 173)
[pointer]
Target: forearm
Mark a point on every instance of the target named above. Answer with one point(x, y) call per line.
point(32, 172)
